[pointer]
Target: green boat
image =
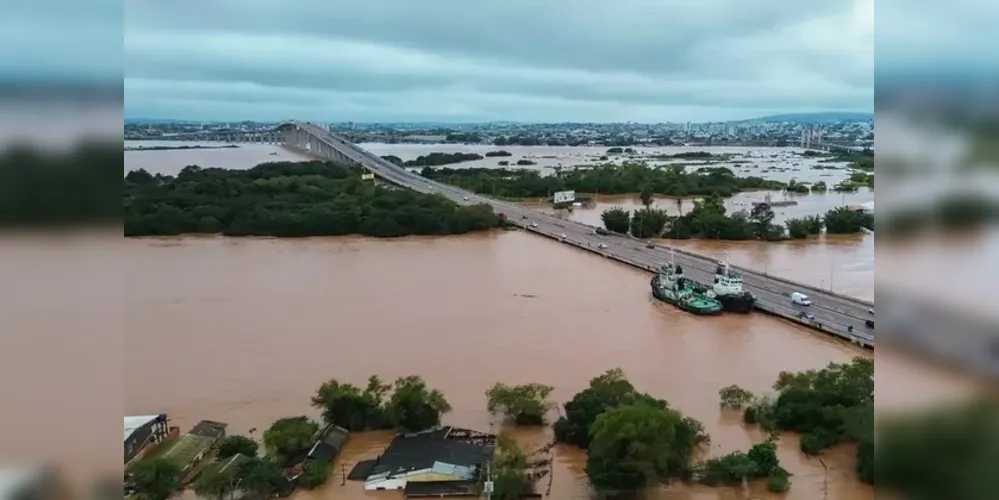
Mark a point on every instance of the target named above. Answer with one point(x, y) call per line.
point(670, 286)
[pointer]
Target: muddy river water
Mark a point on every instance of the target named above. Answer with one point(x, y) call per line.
point(244, 330)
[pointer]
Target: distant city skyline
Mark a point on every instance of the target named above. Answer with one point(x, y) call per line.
point(554, 61)
point(803, 118)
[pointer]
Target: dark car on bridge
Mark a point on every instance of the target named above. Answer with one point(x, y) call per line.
point(869, 323)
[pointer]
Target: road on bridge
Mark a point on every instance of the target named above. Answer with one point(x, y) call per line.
point(833, 312)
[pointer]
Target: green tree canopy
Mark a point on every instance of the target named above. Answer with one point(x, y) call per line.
point(827, 407)
point(734, 397)
point(213, 483)
point(627, 178)
point(635, 446)
point(843, 220)
point(291, 200)
point(648, 222)
point(348, 406)
point(414, 406)
point(262, 476)
point(155, 478)
point(616, 219)
point(509, 469)
point(235, 444)
point(608, 391)
point(525, 404)
point(316, 473)
point(288, 437)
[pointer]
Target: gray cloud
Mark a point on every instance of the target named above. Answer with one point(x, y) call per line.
point(557, 60)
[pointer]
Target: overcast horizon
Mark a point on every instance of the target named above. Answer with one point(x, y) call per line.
point(560, 61)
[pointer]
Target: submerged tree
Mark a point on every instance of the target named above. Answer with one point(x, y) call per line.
point(637, 445)
point(735, 397)
point(155, 478)
point(509, 469)
point(236, 444)
point(414, 406)
point(524, 404)
point(288, 437)
point(347, 406)
point(213, 483)
point(616, 219)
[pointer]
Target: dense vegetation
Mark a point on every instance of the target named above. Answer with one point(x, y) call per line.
point(734, 468)
point(509, 470)
point(827, 407)
point(609, 416)
point(843, 220)
point(438, 159)
point(411, 406)
point(236, 444)
point(77, 186)
point(800, 228)
point(524, 404)
point(288, 437)
point(288, 199)
point(862, 160)
point(156, 478)
point(709, 219)
point(605, 179)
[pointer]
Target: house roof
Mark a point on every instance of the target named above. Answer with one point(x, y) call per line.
point(133, 423)
point(209, 429)
point(334, 436)
point(322, 451)
point(424, 450)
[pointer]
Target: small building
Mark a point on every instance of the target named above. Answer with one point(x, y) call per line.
point(141, 431)
point(191, 448)
point(442, 456)
point(328, 446)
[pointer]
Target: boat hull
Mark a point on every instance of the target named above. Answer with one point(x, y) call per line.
point(742, 303)
point(684, 305)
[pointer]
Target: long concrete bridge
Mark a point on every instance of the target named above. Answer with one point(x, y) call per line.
point(927, 329)
point(835, 313)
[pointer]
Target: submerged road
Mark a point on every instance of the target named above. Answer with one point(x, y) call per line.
point(833, 313)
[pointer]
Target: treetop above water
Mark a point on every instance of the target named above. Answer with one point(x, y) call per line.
point(289, 199)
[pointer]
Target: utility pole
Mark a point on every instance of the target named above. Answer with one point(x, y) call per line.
point(488, 489)
point(488, 486)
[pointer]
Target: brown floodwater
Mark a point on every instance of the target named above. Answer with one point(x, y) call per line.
point(244, 330)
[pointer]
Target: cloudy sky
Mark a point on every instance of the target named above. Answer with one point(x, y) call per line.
point(523, 60)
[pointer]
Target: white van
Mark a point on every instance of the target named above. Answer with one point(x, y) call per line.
point(800, 299)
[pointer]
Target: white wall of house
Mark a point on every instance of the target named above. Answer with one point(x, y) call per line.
point(396, 483)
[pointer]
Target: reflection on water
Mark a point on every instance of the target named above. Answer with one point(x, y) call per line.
point(243, 331)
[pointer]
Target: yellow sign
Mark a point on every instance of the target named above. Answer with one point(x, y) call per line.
point(367, 177)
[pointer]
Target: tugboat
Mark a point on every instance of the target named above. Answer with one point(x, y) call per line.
point(727, 289)
point(670, 286)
